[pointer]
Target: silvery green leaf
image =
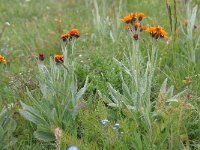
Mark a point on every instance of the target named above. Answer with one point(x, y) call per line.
point(116, 96)
point(99, 93)
point(179, 94)
point(3, 115)
point(30, 109)
point(163, 88)
point(122, 66)
point(82, 90)
point(10, 124)
point(44, 72)
point(2, 136)
point(54, 116)
point(112, 37)
point(44, 136)
point(112, 92)
point(193, 17)
point(125, 88)
point(113, 105)
point(117, 62)
point(103, 97)
point(182, 29)
point(170, 92)
point(29, 94)
point(133, 108)
point(64, 50)
point(27, 115)
point(144, 81)
point(172, 100)
point(31, 114)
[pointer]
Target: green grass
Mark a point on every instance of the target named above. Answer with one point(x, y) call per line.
point(36, 27)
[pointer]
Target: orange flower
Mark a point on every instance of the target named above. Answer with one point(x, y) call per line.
point(127, 26)
point(185, 23)
point(137, 25)
point(157, 32)
point(136, 36)
point(2, 59)
point(59, 58)
point(130, 18)
point(132, 21)
point(74, 33)
point(140, 16)
point(41, 56)
point(65, 37)
point(68, 36)
point(142, 28)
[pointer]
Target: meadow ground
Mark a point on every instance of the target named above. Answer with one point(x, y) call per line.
point(115, 88)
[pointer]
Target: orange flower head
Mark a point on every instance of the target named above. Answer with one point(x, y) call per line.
point(127, 26)
point(140, 16)
point(142, 28)
point(41, 56)
point(65, 37)
point(137, 25)
point(59, 58)
point(74, 33)
point(157, 32)
point(136, 36)
point(150, 30)
point(129, 19)
point(185, 23)
point(2, 59)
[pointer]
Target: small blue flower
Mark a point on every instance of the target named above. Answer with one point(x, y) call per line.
point(73, 148)
point(104, 122)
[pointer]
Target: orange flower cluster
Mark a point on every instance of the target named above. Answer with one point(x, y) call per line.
point(157, 32)
point(68, 36)
point(133, 23)
point(133, 17)
point(2, 59)
point(59, 59)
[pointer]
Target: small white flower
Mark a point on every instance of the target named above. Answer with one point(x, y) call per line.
point(7, 23)
point(116, 127)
